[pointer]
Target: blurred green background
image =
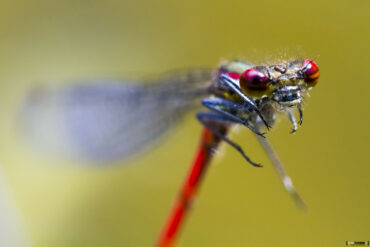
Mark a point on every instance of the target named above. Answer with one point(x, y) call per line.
point(126, 205)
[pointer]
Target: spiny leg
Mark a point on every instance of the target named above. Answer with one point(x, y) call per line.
point(285, 179)
point(233, 86)
point(206, 117)
point(225, 107)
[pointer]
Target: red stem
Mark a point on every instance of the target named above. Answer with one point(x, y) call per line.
point(189, 188)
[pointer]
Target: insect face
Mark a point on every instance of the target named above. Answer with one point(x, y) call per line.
point(286, 84)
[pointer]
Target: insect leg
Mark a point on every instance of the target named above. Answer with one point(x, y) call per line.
point(300, 114)
point(206, 117)
point(284, 177)
point(293, 121)
point(224, 107)
point(233, 86)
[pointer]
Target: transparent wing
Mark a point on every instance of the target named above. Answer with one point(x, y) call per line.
point(107, 120)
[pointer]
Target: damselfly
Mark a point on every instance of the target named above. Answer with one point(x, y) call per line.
point(114, 119)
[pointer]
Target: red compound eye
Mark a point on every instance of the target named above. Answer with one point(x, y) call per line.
point(254, 79)
point(310, 72)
